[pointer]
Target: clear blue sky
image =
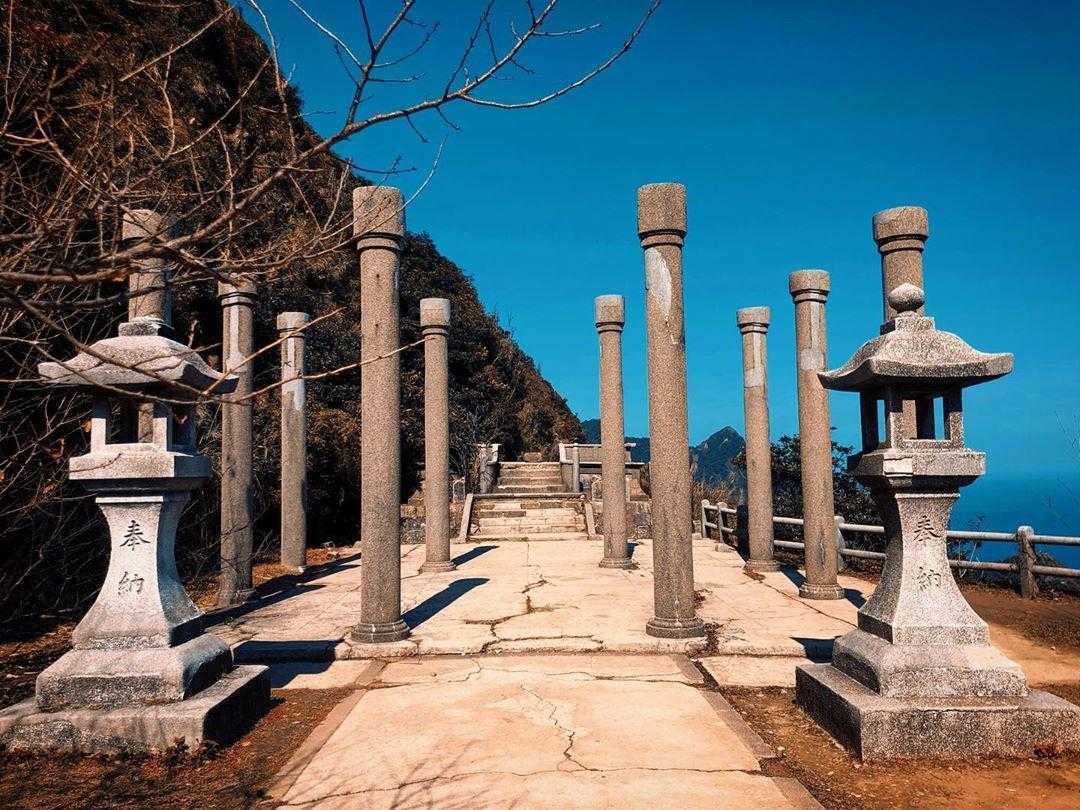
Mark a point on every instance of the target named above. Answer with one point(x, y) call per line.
point(790, 126)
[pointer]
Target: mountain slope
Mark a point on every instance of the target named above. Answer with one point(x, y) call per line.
point(80, 53)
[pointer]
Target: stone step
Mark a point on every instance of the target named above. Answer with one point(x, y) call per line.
point(538, 518)
point(525, 478)
point(528, 465)
point(530, 524)
point(524, 504)
point(530, 481)
point(526, 488)
point(490, 538)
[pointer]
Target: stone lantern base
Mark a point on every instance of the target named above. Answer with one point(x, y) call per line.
point(882, 728)
point(219, 714)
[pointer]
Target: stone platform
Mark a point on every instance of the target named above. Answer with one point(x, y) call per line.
point(537, 597)
point(878, 727)
point(221, 713)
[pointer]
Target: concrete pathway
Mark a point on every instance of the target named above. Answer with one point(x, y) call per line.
point(537, 597)
point(556, 731)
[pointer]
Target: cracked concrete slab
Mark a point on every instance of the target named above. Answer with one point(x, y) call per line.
point(544, 731)
point(524, 597)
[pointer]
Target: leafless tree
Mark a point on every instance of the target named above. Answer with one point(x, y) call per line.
point(251, 191)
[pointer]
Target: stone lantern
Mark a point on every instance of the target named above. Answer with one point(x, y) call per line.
point(918, 677)
point(142, 673)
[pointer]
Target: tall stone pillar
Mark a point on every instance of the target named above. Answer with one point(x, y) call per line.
point(754, 324)
point(293, 440)
point(662, 228)
point(809, 289)
point(379, 228)
point(238, 344)
point(435, 323)
point(610, 317)
point(901, 234)
point(149, 293)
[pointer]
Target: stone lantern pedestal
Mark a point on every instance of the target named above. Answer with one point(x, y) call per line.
point(919, 678)
point(143, 674)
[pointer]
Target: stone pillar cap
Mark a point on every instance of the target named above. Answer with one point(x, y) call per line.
point(434, 312)
point(609, 309)
point(752, 316)
point(240, 287)
point(378, 210)
point(287, 321)
point(905, 222)
point(142, 223)
point(661, 207)
point(808, 281)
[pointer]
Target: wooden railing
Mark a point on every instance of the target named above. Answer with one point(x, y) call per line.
point(1025, 538)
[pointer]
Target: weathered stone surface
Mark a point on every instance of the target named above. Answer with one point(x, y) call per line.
point(291, 327)
point(149, 288)
point(539, 596)
point(809, 289)
point(753, 323)
point(435, 323)
point(662, 229)
point(379, 227)
point(238, 344)
point(107, 678)
point(539, 732)
point(610, 319)
point(919, 677)
point(877, 727)
point(900, 234)
point(220, 713)
point(142, 671)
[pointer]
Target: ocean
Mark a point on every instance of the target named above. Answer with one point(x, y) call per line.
point(1048, 502)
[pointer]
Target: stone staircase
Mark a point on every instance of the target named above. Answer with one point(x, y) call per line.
point(529, 503)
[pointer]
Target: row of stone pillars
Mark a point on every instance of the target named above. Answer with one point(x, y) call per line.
point(149, 296)
point(900, 234)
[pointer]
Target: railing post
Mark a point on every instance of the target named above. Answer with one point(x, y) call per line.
point(704, 519)
point(720, 525)
point(1029, 587)
point(840, 563)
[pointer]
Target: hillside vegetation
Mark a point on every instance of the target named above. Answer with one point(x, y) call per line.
point(73, 58)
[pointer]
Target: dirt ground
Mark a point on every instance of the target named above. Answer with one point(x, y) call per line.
point(838, 780)
point(234, 777)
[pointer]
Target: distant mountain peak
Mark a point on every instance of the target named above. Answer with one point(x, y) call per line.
point(711, 459)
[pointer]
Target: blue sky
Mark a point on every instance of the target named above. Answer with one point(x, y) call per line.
point(790, 125)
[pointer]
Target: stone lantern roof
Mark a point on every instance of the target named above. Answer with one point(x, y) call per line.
point(911, 352)
point(139, 359)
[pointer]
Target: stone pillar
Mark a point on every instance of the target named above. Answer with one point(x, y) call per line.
point(293, 440)
point(754, 324)
point(610, 317)
point(238, 344)
point(662, 228)
point(435, 322)
point(901, 235)
point(149, 293)
point(809, 289)
point(379, 228)
point(575, 468)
